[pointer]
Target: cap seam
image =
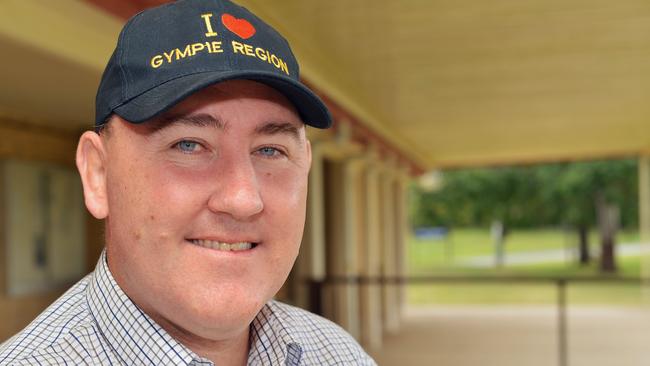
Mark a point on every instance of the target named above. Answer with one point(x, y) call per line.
point(128, 99)
point(262, 73)
point(120, 58)
point(127, 44)
point(299, 90)
point(320, 106)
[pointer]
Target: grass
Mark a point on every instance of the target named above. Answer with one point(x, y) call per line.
point(465, 243)
point(426, 255)
point(435, 257)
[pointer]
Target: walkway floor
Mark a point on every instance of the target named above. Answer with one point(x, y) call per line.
point(517, 336)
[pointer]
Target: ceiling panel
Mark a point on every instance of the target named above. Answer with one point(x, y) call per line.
point(476, 82)
point(450, 83)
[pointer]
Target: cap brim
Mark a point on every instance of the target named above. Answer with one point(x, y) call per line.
point(149, 104)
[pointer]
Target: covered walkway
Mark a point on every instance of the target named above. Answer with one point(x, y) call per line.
point(516, 336)
point(413, 87)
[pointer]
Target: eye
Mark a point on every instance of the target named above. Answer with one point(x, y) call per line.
point(187, 146)
point(270, 152)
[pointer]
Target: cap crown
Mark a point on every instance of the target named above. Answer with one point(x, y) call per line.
point(190, 37)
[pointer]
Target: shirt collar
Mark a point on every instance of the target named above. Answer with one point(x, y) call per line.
point(272, 340)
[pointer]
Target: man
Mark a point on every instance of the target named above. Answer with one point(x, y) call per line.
point(199, 165)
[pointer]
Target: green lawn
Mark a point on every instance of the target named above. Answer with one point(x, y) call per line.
point(435, 257)
point(430, 255)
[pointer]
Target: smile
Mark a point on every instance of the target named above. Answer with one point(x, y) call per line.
point(226, 247)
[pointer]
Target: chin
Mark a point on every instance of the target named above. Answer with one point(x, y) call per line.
point(223, 321)
point(225, 308)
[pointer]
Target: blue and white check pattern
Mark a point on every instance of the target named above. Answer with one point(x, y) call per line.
point(95, 323)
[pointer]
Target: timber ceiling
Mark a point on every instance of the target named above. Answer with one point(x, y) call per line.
point(451, 83)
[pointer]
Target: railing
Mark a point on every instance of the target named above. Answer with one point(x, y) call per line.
point(559, 282)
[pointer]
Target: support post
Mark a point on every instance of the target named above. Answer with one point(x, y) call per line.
point(390, 246)
point(310, 264)
point(562, 323)
point(370, 292)
point(345, 248)
point(401, 235)
point(644, 218)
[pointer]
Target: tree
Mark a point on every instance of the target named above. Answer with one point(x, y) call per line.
point(529, 196)
point(577, 188)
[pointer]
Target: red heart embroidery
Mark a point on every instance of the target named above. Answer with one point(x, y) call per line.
point(240, 27)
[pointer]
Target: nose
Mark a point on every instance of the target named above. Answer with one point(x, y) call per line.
point(237, 191)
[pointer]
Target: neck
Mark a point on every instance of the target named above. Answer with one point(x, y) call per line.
point(228, 352)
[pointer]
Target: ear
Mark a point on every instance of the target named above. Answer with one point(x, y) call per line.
point(91, 163)
point(309, 154)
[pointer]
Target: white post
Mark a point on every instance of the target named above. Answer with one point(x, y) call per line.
point(348, 262)
point(310, 264)
point(370, 293)
point(390, 225)
point(644, 217)
point(402, 232)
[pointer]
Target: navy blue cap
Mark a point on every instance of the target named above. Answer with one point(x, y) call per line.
point(165, 54)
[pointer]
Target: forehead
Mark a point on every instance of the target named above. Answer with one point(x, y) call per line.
point(235, 102)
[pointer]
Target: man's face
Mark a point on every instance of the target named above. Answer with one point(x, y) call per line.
point(206, 206)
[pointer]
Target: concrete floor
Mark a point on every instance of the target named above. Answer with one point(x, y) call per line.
point(517, 336)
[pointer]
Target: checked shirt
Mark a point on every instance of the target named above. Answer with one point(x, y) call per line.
point(95, 323)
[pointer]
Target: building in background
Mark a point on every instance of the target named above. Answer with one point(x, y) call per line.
point(412, 86)
point(53, 56)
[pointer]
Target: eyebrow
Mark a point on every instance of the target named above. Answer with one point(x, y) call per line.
point(200, 120)
point(207, 120)
point(273, 128)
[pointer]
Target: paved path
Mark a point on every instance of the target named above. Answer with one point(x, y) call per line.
point(554, 255)
point(517, 336)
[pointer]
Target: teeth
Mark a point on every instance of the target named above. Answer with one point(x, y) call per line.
point(222, 246)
